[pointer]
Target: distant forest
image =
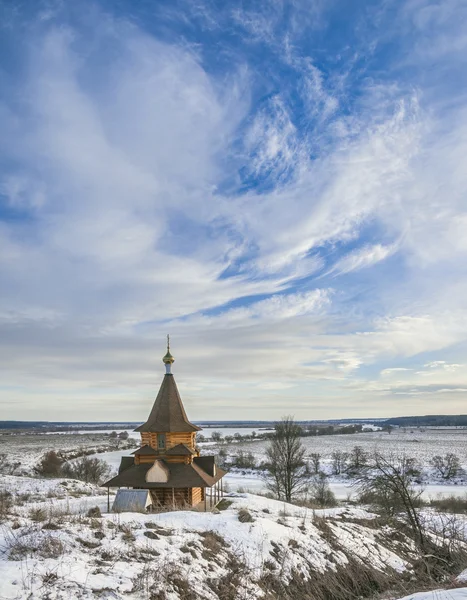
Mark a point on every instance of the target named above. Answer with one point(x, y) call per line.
point(429, 421)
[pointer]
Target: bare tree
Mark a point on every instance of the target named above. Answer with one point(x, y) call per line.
point(315, 458)
point(90, 470)
point(216, 436)
point(358, 459)
point(286, 473)
point(392, 480)
point(447, 466)
point(339, 462)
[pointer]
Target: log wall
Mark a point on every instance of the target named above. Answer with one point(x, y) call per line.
point(168, 497)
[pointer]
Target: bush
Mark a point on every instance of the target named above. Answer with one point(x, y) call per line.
point(50, 465)
point(6, 502)
point(244, 461)
point(451, 504)
point(94, 512)
point(38, 514)
point(90, 470)
point(320, 492)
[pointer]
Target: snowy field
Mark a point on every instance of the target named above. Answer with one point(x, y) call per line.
point(26, 449)
point(418, 444)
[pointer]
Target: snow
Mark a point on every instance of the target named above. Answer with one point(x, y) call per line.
point(115, 562)
point(456, 594)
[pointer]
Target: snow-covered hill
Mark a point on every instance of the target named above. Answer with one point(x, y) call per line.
point(253, 548)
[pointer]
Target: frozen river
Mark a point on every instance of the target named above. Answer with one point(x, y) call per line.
point(206, 431)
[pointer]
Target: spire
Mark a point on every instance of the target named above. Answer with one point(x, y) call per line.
point(168, 414)
point(168, 358)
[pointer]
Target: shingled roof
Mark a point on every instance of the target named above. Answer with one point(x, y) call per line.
point(145, 451)
point(180, 450)
point(168, 414)
point(180, 476)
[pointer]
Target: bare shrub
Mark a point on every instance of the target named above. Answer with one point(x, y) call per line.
point(213, 543)
point(7, 467)
point(228, 585)
point(160, 578)
point(90, 470)
point(32, 542)
point(49, 578)
point(451, 504)
point(346, 582)
point(88, 543)
point(244, 460)
point(52, 525)
point(51, 547)
point(390, 479)
point(127, 533)
point(38, 514)
point(320, 492)
point(6, 502)
point(94, 512)
point(50, 465)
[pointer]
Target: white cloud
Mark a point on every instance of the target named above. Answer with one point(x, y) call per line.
point(362, 258)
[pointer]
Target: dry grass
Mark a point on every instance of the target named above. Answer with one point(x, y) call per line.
point(244, 516)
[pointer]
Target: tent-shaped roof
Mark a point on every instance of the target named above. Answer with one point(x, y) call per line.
point(168, 414)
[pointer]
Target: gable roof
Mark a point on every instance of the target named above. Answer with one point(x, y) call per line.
point(207, 463)
point(180, 476)
point(168, 414)
point(180, 450)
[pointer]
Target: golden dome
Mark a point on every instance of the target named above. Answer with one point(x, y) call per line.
point(168, 358)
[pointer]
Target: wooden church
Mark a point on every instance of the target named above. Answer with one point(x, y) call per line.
point(168, 466)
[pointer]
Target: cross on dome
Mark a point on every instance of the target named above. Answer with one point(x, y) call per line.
point(168, 358)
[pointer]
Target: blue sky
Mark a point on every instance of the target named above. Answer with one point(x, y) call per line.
point(281, 186)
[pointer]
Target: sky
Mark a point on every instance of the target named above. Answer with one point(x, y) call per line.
point(279, 185)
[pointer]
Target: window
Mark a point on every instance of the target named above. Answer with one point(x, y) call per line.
point(161, 441)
